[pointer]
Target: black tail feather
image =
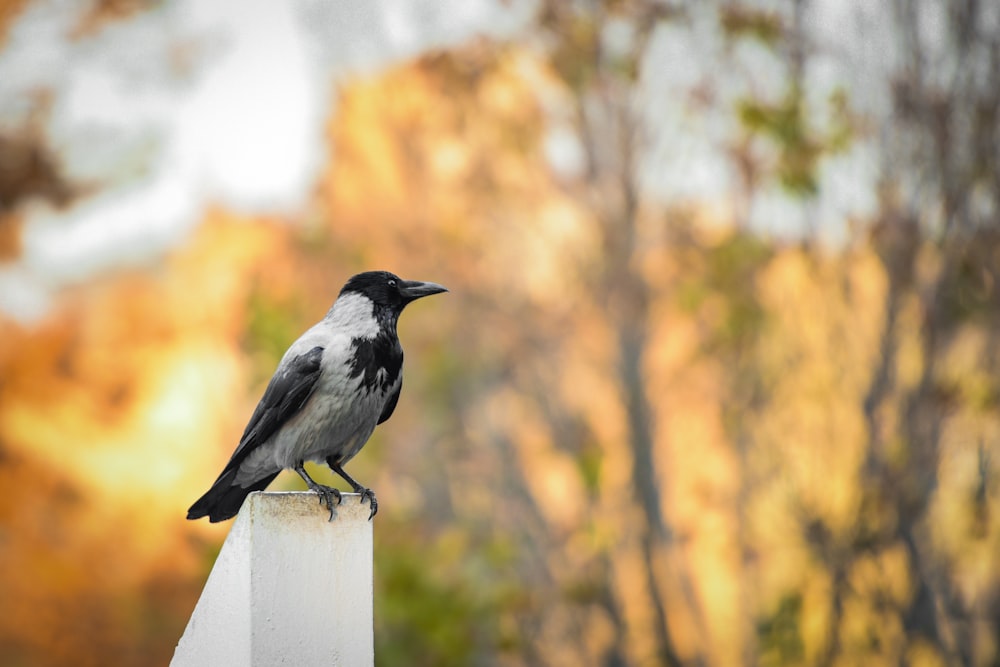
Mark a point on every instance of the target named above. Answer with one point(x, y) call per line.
point(224, 499)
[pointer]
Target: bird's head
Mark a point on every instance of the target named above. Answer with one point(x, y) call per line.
point(389, 291)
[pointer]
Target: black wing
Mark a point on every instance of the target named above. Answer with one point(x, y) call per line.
point(390, 405)
point(288, 391)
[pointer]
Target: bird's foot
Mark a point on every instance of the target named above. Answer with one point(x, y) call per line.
point(370, 495)
point(327, 494)
point(358, 488)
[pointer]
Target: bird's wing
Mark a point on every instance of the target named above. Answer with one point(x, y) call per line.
point(390, 404)
point(287, 392)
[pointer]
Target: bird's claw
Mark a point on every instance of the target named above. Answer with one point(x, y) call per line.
point(326, 496)
point(370, 495)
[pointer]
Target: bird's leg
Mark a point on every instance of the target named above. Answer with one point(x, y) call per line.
point(326, 493)
point(365, 492)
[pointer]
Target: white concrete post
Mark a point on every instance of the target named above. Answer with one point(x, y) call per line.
point(288, 588)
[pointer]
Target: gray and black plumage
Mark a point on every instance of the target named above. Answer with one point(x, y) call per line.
point(334, 385)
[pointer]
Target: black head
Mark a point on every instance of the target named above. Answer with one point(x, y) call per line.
point(389, 290)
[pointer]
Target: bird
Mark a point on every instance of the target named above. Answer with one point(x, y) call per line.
point(333, 386)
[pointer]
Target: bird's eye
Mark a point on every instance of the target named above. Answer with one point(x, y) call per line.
point(392, 283)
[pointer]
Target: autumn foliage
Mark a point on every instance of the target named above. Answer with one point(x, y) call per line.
point(631, 434)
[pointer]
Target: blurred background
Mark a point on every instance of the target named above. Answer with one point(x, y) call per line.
point(716, 382)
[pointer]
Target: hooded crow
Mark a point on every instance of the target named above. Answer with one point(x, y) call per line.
point(338, 381)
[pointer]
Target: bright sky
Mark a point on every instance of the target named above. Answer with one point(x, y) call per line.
point(224, 102)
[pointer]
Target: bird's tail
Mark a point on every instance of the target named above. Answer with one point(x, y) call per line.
point(225, 498)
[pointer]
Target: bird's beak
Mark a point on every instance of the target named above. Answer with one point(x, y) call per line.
point(414, 289)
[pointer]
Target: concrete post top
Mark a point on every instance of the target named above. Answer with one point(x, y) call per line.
point(296, 505)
